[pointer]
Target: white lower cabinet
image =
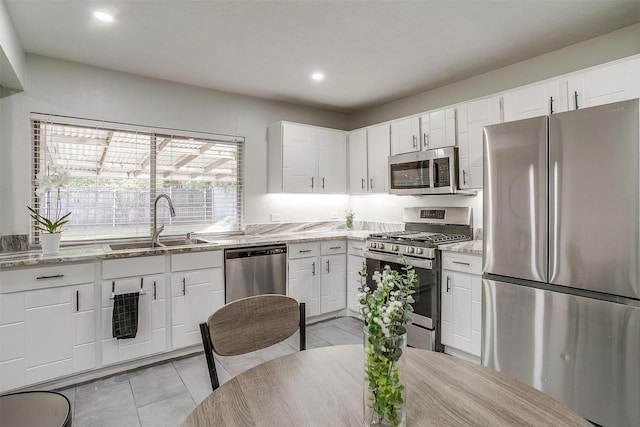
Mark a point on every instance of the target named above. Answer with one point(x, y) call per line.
point(462, 302)
point(197, 290)
point(47, 329)
point(317, 274)
point(355, 262)
point(126, 275)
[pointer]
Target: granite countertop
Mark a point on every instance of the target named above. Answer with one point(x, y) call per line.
point(101, 252)
point(469, 247)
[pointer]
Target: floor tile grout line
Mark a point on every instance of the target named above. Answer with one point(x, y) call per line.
point(183, 383)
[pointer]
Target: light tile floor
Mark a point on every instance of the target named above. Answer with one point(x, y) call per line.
point(164, 394)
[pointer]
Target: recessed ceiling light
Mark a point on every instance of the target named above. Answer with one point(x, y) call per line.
point(103, 16)
point(317, 76)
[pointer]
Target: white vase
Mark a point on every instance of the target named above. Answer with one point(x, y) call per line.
point(50, 243)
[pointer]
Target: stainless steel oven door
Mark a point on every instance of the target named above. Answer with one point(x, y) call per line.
point(426, 308)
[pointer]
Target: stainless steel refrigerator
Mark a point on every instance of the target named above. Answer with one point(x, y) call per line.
point(561, 283)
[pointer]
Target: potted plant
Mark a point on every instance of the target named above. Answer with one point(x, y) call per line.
point(386, 312)
point(349, 217)
point(49, 220)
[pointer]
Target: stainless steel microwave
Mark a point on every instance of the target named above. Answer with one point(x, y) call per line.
point(424, 172)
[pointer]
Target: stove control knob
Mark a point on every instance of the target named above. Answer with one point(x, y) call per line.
point(373, 245)
point(418, 251)
point(380, 245)
point(394, 247)
point(409, 250)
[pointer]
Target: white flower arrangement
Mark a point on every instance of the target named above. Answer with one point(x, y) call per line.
point(386, 312)
point(49, 219)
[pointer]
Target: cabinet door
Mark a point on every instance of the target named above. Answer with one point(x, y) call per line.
point(333, 283)
point(354, 266)
point(378, 158)
point(48, 327)
point(479, 114)
point(358, 162)
point(195, 295)
point(532, 101)
point(304, 283)
point(405, 135)
point(299, 159)
point(152, 333)
point(456, 310)
point(332, 164)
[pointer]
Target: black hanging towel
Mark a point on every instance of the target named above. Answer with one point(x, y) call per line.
point(125, 315)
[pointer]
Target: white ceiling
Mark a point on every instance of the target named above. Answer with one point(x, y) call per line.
point(372, 52)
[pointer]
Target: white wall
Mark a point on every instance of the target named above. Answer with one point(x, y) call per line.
point(609, 47)
point(65, 88)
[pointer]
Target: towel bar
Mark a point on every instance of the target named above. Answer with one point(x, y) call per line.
point(113, 289)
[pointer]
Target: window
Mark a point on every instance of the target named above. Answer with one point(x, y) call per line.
point(117, 170)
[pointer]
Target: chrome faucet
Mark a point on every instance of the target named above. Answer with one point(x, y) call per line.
point(155, 237)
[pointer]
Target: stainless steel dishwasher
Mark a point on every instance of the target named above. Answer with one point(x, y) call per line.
point(255, 270)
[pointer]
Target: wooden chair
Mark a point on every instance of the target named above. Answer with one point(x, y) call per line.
point(251, 324)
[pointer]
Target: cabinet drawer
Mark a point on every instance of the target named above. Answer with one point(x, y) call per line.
point(355, 247)
point(331, 247)
point(45, 277)
point(462, 262)
point(124, 267)
point(303, 250)
point(196, 260)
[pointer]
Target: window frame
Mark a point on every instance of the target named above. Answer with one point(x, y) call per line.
point(38, 146)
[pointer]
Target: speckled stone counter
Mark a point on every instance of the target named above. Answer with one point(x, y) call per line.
point(470, 247)
point(100, 252)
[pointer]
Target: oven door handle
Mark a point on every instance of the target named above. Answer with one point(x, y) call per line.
point(412, 262)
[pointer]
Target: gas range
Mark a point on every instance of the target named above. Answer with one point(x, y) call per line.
point(425, 229)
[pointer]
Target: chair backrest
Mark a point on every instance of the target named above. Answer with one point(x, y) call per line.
point(253, 323)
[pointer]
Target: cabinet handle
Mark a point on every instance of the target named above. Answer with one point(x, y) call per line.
point(323, 183)
point(464, 177)
point(426, 140)
point(575, 98)
point(154, 290)
point(334, 247)
point(312, 182)
point(448, 284)
point(461, 263)
point(551, 105)
point(55, 276)
point(313, 268)
point(414, 140)
point(363, 183)
point(77, 301)
point(371, 183)
point(184, 286)
point(327, 266)
point(304, 251)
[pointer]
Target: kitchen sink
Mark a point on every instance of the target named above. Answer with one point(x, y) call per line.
point(147, 244)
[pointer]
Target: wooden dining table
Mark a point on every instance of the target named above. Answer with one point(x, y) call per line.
point(324, 387)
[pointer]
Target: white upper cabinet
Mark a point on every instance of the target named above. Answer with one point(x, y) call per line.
point(358, 175)
point(378, 151)
point(332, 161)
point(369, 151)
point(472, 117)
point(603, 85)
point(405, 135)
point(438, 129)
point(535, 100)
point(306, 159)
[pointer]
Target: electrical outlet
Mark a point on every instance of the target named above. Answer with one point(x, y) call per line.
point(334, 215)
point(275, 217)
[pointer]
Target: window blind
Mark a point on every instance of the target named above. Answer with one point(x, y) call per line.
point(117, 170)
